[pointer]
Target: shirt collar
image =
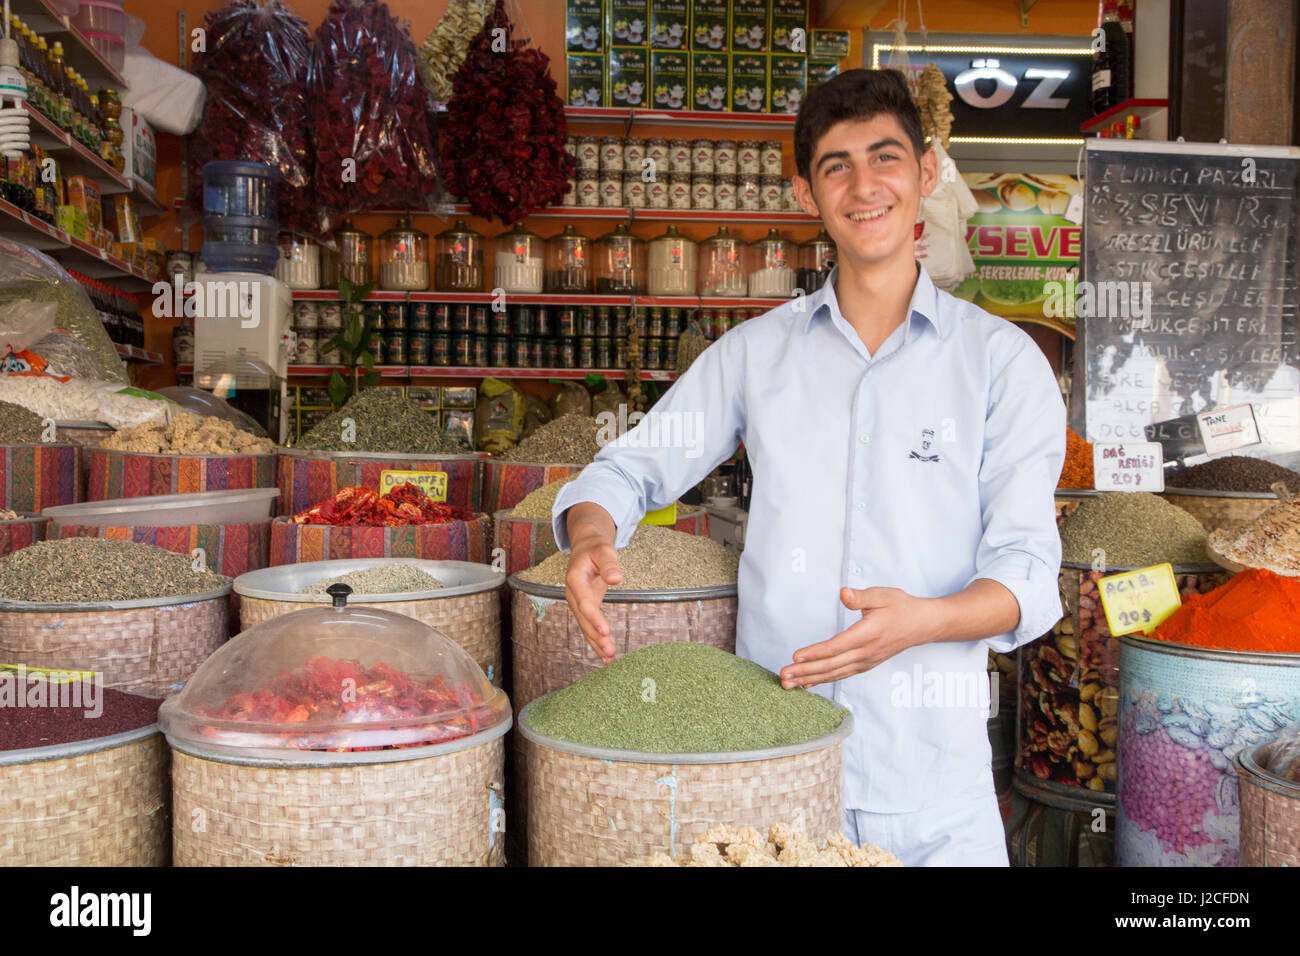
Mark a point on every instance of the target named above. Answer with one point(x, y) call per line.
point(924, 303)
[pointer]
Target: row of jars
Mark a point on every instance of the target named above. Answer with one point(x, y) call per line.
point(723, 157)
point(682, 191)
point(525, 263)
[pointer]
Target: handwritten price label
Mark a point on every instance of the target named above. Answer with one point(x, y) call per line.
point(432, 483)
point(1225, 429)
point(1139, 600)
point(1131, 466)
point(664, 516)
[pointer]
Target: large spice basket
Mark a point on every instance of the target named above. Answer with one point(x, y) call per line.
point(143, 647)
point(457, 540)
point(125, 474)
point(1185, 714)
point(548, 651)
point(590, 806)
point(467, 608)
point(1270, 802)
point(506, 483)
point(37, 476)
point(1068, 723)
point(99, 802)
point(527, 542)
point(274, 767)
point(306, 478)
point(1221, 509)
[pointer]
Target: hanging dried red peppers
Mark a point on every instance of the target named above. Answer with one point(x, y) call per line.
point(503, 145)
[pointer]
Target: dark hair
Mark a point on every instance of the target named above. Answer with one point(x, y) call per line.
point(854, 95)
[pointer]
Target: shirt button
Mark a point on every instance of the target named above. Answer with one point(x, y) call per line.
point(857, 569)
point(861, 506)
point(864, 438)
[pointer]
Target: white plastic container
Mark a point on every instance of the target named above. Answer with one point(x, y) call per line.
point(242, 506)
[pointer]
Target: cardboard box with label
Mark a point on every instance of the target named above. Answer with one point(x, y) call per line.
point(670, 80)
point(585, 79)
point(629, 77)
point(139, 148)
point(828, 43)
point(627, 23)
point(710, 23)
point(749, 22)
point(710, 82)
point(787, 28)
point(669, 20)
point(820, 70)
point(788, 82)
point(749, 82)
point(584, 26)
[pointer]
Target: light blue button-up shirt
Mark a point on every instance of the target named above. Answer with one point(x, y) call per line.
point(923, 467)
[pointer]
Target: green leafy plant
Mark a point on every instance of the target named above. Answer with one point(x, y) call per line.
point(353, 343)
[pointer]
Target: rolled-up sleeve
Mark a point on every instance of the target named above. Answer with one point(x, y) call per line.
point(695, 426)
point(1024, 449)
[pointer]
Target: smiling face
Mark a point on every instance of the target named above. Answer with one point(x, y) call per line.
point(866, 185)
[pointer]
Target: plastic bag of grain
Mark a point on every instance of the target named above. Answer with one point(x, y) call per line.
point(499, 416)
point(572, 399)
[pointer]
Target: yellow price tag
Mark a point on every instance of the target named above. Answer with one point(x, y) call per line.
point(432, 483)
point(664, 516)
point(1139, 600)
point(50, 676)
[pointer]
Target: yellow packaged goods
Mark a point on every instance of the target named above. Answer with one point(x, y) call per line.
point(126, 220)
point(499, 418)
point(189, 435)
point(84, 194)
point(782, 846)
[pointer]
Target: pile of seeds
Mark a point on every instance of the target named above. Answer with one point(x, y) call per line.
point(384, 422)
point(569, 440)
point(7, 515)
point(385, 579)
point(683, 698)
point(538, 504)
point(782, 846)
point(1271, 541)
point(79, 570)
point(1234, 473)
point(1133, 530)
point(18, 425)
point(656, 559)
point(189, 434)
point(57, 713)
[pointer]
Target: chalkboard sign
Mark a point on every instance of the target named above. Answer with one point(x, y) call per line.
point(1189, 299)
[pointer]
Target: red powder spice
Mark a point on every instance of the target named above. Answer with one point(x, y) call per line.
point(1256, 610)
point(1077, 470)
point(39, 724)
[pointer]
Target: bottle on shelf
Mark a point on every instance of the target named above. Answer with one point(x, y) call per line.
point(62, 89)
point(1110, 71)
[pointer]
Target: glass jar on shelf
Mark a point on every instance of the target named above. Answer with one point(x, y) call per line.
point(673, 264)
point(458, 259)
point(722, 265)
point(404, 258)
point(816, 259)
point(770, 264)
point(354, 254)
point(620, 262)
point(568, 262)
point(517, 261)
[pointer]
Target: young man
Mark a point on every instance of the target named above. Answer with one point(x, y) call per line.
point(905, 448)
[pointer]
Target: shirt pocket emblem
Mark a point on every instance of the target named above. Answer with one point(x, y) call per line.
point(924, 449)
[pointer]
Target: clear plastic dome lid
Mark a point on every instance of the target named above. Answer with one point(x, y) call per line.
point(333, 679)
point(1279, 758)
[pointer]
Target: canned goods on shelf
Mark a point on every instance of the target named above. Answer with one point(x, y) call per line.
point(567, 353)
point(620, 353)
point(586, 352)
point(604, 322)
point(587, 322)
point(306, 315)
point(394, 316)
point(654, 327)
point(462, 349)
point(440, 349)
point(377, 349)
point(673, 322)
point(331, 315)
point(620, 321)
point(500, 318)
point(670, 355)
point(307, 352)
point(537, 353)
point(521, 322)
point(417, 348)
point(441, 317)
point(566, 321)
point(549, 354)
point(520, 353)
point(479, 354)
point(604, 353)
point(395, 348)
point(499, 353)
point(542, 321)
point(419, 318)
point(478, 320)
point(653, 354)
point(459, 318)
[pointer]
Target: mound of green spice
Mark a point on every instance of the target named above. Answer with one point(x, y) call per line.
point(380, 420)
point(1134, 529)
point(683, 698)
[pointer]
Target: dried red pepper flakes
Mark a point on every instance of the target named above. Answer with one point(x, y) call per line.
point(371, 107)
point(503, 144)
point(254, 71)
point(404, 505)
point(327, 691)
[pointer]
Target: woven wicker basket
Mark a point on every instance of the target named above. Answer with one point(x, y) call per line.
point(1270, 815)
point(450, 541)
point(506, 483)
point(593, 807)
point(124, 474)
point(1221, 509)
point(22, 531)
point(428, 806)
point(548, 651)
point(468, 610)
point(527, 542)
point(143, 647)
point(92, 803)
point(33, 477)
point(306, 478)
